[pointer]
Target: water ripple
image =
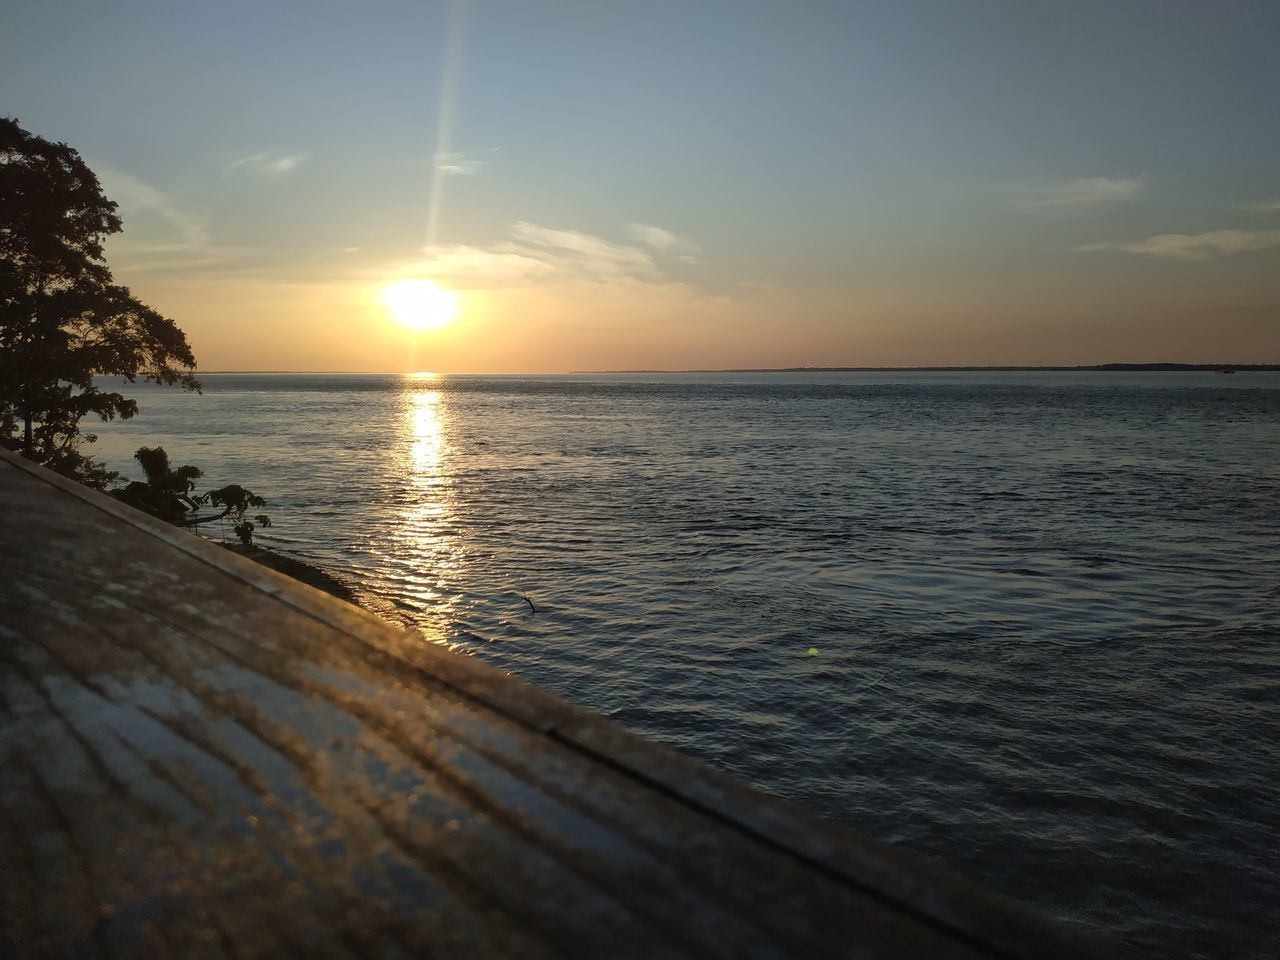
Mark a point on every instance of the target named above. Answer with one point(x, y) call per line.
point(1043, 607)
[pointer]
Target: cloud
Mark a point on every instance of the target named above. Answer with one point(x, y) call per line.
point(470, 266)
point(532, 255)
point(1270, 206)
point(664, 241)
point(268, 163)
point(147, 210)
point(587, 251)
point(464, 163)
point(160, 233)
point(1082, 192)
point(1195, 246)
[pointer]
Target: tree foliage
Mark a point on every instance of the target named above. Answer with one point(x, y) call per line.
point(170, 495)
point(235, 501)
point(63, 319)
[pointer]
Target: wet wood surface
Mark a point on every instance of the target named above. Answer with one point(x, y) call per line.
point(201, 757)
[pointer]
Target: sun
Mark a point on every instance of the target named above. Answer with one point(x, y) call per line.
point(419, 304)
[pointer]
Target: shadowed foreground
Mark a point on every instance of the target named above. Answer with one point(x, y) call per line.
point(201, 757)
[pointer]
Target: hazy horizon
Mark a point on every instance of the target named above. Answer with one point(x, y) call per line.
point(994, 368)
point(549, 187)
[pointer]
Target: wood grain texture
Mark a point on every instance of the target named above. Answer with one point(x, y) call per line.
point(200, 757)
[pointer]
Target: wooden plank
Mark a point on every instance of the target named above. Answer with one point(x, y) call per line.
point(202, 757)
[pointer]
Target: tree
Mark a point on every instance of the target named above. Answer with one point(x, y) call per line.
point(165, 493)
point(63, 319)
point(235, 501)
point(169, 494)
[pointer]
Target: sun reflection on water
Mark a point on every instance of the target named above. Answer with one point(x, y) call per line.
point(426, 550)
point(426, 438)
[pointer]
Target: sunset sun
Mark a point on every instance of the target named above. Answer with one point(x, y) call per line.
point(419, 304)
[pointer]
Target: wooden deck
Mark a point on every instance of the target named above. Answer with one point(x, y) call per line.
point(200, 757)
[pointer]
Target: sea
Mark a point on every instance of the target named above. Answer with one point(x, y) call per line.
point(1024, 624)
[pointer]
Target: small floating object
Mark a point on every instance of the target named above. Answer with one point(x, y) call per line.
point(813, 651)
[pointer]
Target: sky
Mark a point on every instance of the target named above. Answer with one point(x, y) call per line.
point(675, 185)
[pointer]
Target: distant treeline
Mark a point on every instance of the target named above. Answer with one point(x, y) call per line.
point(1097, 366)
point(1185, 366)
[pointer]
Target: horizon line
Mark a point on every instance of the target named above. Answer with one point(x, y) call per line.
point(1154, 366)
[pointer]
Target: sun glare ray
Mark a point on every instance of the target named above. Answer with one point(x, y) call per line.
point(456, 26)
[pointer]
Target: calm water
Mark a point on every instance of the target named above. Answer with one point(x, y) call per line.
point(1046, 607)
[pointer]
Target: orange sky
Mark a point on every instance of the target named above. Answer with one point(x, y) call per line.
point(343, 325)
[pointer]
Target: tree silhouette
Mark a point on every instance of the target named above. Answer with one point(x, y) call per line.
point(165, 493)
point(63, 320)
point(169, 494)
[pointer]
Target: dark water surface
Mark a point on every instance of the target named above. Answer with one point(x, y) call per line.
point(1046, 607)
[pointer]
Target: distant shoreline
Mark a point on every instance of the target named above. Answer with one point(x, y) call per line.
point(1099, 367)
point(1087, 368)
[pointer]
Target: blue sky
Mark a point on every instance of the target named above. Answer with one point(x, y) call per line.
point(680, 184)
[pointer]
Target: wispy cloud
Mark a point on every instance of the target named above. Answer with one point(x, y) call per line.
point(586, 251)
point(147, 211)
point(1082, 192)
point(664, 241)
point(500, 265)
point(275, 163)
point(1270, 206)
point(464, 163)
point(1195, 246)
point(534, 255)
point(161, 233)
